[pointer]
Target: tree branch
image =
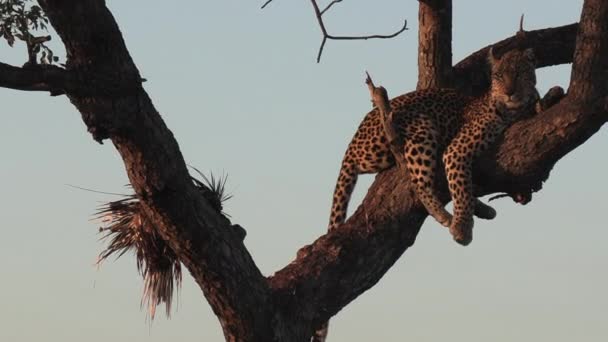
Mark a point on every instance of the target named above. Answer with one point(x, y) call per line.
point(329, 6)
point(341, 265)
point(58, 81)
point(319, 14)
point(34, 78)
point(266, 4)
point(552, 46)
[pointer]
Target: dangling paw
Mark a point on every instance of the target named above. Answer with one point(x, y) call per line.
point(484, 211)
point(462, 231)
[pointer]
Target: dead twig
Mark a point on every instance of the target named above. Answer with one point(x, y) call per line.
point(319, 14)
point(381, 101)
point(266, 3)
point(329, 6)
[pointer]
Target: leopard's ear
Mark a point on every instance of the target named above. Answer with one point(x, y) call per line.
point(491, 57)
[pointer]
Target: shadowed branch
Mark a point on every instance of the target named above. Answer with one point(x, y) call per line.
point(34, 78)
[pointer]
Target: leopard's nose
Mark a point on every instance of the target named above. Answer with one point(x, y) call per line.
point(510, 91)
point(509, 87)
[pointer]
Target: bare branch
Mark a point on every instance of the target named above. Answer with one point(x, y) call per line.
point(266, 4)
point(319, 16)
point(326, 35)
point(379, 97)
point(321, 48)
point(374, 36)
point(330, 5)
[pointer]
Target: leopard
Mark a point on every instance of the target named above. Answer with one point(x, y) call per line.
point(442, 127)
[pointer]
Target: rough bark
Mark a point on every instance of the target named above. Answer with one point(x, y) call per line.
point(434, 44)
point(216, 258)
point(341, 265)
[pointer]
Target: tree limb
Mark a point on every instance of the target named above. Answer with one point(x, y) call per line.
point(34, 78)
point(319, 14)
point(58, 81)
point(552, 46)
point(341, 265)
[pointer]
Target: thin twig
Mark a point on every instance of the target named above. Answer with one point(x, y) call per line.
point(382, 103)
point(321, 48)
point(495, 197)
point(373, 36)
point(266, 3)
point(328, 6)
point(319, 16)
point(96, 191)
point(326, 36)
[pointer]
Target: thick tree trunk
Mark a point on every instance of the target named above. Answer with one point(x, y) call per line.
point(214, 255)
point(434, 44)
point(103, 83)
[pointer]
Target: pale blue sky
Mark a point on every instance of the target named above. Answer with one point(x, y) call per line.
point(240, 89)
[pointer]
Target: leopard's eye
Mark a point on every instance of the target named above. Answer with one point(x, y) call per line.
point(497, 75)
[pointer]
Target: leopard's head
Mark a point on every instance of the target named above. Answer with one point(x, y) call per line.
point(513, 75)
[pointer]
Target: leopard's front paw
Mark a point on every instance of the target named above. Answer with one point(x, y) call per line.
point(484, 211)
point(462, 231)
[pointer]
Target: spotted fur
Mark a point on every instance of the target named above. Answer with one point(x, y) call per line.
point(440, 127)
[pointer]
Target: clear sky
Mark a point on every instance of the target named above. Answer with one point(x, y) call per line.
point(240, 89)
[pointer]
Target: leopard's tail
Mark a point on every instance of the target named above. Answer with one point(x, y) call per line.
point(344, 189)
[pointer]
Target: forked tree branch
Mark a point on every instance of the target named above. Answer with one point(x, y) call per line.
point(341, 265)
point(327, 36)
point(388, 220)
point(319, 14)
